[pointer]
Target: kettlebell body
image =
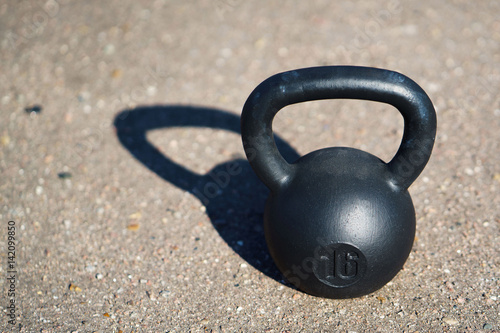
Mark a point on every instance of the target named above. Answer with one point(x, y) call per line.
point(339, 222)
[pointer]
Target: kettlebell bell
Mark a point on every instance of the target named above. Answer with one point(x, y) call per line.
point(339, 222)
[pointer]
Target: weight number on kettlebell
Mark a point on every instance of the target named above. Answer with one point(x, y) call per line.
point(339, 265)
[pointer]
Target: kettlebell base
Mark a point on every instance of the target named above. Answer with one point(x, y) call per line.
point(347, 235)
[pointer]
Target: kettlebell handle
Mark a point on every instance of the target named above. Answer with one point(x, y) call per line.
point(334, 82)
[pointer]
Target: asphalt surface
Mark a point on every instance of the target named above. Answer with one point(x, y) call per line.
point(113, 115)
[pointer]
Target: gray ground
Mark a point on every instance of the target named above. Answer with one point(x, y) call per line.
point(110, 236)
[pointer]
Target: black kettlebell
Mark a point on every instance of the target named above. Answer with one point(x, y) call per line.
point(339, 222)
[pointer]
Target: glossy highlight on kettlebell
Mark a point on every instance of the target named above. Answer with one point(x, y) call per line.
point(339, 222)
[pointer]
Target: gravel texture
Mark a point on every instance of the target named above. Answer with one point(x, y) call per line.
point(115, 112)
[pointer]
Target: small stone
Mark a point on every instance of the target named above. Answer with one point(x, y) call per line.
point(296, 296)
point(39, 190)
point(75, 288)
point(116, 73)
point(260, 43)
point(101, 104)
point(136, 215)
point(151, 296)
point(99, 276)
point(64, 175)
point(165, 293)
point(68, 118)
point(381, 299)
point(487, 326)
point(67, 223)
point(33, 108)
point(239, 309)
point(109, 49)
point(106, 314)
point(283, 52)
point(5, 140)
point(450, 321)
point(143, 281)
point(20, 98)
point(133, 227)
point(48, 159)
point(90, 268)
point(151, 90)
point(226, 52)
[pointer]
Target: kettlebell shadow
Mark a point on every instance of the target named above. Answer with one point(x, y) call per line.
point(231, 192)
